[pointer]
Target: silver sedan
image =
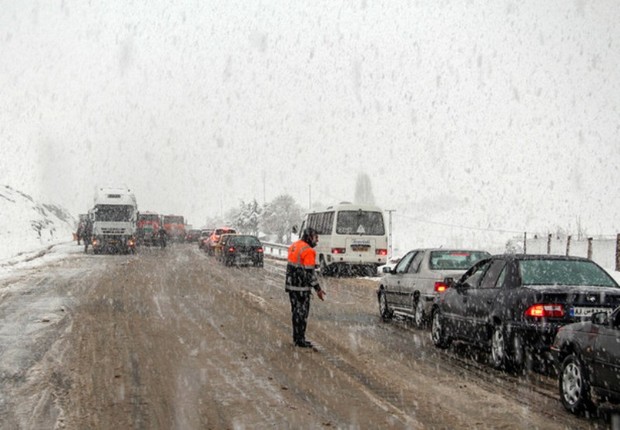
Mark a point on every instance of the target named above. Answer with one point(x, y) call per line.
point(411, 286)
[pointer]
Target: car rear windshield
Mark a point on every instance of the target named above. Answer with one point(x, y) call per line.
point(245, 240)
point(455, 260)
point(360, 222)
point(563, 272)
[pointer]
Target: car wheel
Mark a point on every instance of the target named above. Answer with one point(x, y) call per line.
point(574, 385)
point(518, 353)
point(384, 309)
point(498, 354)
point(438, 331)
point(418, 316)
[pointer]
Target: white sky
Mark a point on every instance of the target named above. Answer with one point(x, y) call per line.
point(496, 114)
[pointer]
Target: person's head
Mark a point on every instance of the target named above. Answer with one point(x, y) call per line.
point(310, 236)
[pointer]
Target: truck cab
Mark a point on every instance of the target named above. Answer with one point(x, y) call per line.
point(114, 217)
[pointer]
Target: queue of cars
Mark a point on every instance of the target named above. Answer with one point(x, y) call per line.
point(520, 308)
point(231, 248)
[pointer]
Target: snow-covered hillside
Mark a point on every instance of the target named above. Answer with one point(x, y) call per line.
point(27, 225)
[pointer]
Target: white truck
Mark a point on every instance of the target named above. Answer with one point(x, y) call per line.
point(113, 218)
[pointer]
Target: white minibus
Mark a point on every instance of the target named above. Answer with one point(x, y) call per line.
point(352, 238)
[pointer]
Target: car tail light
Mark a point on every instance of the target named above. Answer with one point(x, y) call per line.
point(338, 250)
point(231, 249)
point(259, 250)
point(545, 310)
point(440, 287)
point(381, 251)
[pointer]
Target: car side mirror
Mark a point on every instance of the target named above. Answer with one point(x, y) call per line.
point(386, 270)
point(294, 229)
point(600, 318)
point(449, 281)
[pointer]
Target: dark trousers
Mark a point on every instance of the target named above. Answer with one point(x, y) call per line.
point(300, 308)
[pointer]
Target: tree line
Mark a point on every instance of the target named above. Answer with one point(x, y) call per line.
point(274, 219)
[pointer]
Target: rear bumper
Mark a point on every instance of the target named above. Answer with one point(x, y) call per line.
point(537, 336)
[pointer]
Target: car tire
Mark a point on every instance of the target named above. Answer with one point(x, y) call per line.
point(574, 385)
point(384, 308)
point(498, 356)
point(418, 315)
point(438, 331)
point(518, 353)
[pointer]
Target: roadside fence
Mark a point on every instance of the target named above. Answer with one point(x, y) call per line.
point(603, 250)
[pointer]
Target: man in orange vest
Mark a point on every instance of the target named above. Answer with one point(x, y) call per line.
point(300, 280)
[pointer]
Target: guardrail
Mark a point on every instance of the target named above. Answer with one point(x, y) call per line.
point(275, 250)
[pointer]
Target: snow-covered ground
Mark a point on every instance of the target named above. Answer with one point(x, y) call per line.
point(27, 225)
point(32, 232)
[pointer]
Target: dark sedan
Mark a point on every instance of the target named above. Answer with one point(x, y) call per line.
point(587, 356)
point(241, 249)
point(514, 304)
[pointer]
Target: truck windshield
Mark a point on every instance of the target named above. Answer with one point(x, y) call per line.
point(149, 218)
point(114, 213)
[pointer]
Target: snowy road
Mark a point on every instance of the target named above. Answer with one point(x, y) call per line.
point(171, 339)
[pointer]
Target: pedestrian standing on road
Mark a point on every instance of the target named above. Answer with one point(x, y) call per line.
point(80, 230)
point(163, 237)
point(87, 234)
point(300, 280)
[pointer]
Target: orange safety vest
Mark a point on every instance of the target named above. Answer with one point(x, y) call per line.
point(300, 274)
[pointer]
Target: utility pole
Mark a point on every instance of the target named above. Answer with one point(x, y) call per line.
point(264, 193)
point(389, 211)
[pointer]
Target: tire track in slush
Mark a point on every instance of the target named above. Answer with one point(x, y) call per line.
point(376, 391)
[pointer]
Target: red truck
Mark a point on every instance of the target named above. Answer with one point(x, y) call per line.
point(147, 228)
point(175, 227)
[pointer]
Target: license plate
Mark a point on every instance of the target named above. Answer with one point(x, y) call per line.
point(582, 311)
point(359, 248)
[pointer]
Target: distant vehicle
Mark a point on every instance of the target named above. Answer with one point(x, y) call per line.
point(175, 227)
point(214, 239)
point(204, 238)
point(515, 304)
point(352, 238)
point(389, 264)
point(192, 235)
point(413, 284)
point(587, 356)
point(241, 249)
point(147, 228)
point(114, 220)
